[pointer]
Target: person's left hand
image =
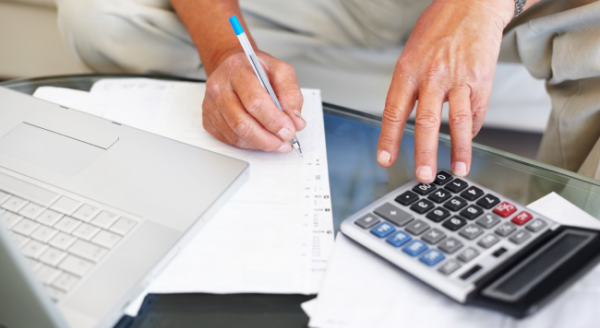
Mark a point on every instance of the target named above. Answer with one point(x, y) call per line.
point(450, 56)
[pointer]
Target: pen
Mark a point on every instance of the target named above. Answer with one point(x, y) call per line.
point(258, 70)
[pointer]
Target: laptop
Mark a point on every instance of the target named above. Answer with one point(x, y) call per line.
point(91, 210)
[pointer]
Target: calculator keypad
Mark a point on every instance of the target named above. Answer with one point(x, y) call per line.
point(450, 224)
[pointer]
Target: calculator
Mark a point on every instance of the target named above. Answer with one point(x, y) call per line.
point(474, 245)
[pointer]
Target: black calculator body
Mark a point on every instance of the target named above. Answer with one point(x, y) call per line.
point(474, 245)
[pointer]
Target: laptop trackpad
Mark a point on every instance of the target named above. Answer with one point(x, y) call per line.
point(49, 149)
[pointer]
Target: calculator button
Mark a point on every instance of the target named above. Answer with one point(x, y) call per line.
point(438, 215)
point(449, 267)
point(456, 185)
point(488, 221)
point(455, 204)
point(433, 236)
point(393, 214)
point(417, 227)
point(407, 198)
point(450, 245)
point(440, 195)
point(432, 257)
point(488, 201)
point(422, 206)
point(468, 254)
point(415, 248)
point(423, 188)
point(536, 225)
point(442, 177)
point(367, 221)
point(488, 241)
point(398, 239)
point(505, 209)
point(505, 229)
point(520, 237)
point(471, 231)
point(471, 212)
point(383, 229)
point(522, 218)
point(454, 223)
point(472, 193)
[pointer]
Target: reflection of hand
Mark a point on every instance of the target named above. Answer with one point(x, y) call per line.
point(450, 56)
point(238, 110)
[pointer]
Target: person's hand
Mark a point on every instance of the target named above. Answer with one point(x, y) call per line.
point(450, 56)
point(238, 110)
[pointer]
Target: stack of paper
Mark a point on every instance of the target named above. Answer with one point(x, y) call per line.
point(363, 290)
point(274, 235)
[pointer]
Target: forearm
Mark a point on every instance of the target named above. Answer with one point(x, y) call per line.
point(208, 25)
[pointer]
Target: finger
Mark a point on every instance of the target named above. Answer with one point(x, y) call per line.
point(218, 127)
point(398, 106)
point(461, 129)
point(427, 128)
point(259, 105)
point(248, 130)
point(479, 103)
point(283, 79)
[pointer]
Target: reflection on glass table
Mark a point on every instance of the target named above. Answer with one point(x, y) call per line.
point(356, 180)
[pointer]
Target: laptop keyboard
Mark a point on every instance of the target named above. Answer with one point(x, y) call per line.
point(62, 238)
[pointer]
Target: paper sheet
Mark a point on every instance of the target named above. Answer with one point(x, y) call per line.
point(275, 234)
point(362, 290)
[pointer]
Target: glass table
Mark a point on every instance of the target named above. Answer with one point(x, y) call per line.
point(356, 180)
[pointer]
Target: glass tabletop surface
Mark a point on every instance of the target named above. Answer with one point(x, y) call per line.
point(356, 180)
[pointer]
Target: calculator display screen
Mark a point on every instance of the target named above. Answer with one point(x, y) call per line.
point(540, 264)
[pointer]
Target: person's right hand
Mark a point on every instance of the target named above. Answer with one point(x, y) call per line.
point(238, 110)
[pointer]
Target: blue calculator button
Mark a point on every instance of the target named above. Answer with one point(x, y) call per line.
point(398, 239)
point(383, 229)
point(415, 248)
point(432, 257)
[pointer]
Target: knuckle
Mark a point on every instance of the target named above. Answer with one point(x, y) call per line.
point(427, 122)
point(255, 104)
point(461, 152)
point(425, 154)
point(460, 120)
point(242, 128)
point(391, 113)
point(213, 88)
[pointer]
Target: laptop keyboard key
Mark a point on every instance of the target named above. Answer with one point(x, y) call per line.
point(76, 266)
point(86, 231)
point(52, 256)
point(10, 218)
point(49, 217)
point(65, 282)
point(44, 233)
point(67, 224)
point(25, 227)
point(20, 239)
point(456, 185)
point(14, 204)
point(47, 274)
point(31, 210)
point(488, 201)
point(62, 241)
point(105, 219)
point(86, 213)
point(3, 196)
point(407, 198)
point(66, 205)
point(123, 226)
point(33, 249)
point(106, 239)
point(393, 214)
point(88, 250)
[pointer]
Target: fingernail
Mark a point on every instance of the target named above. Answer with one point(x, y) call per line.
point(285, 148)
point(285, 134)
point(425, 172)
point(384, 157)
point(297, 113)
point(460, 169)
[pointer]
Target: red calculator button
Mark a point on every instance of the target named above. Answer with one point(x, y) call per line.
point(505, 209)
point(522, 218)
